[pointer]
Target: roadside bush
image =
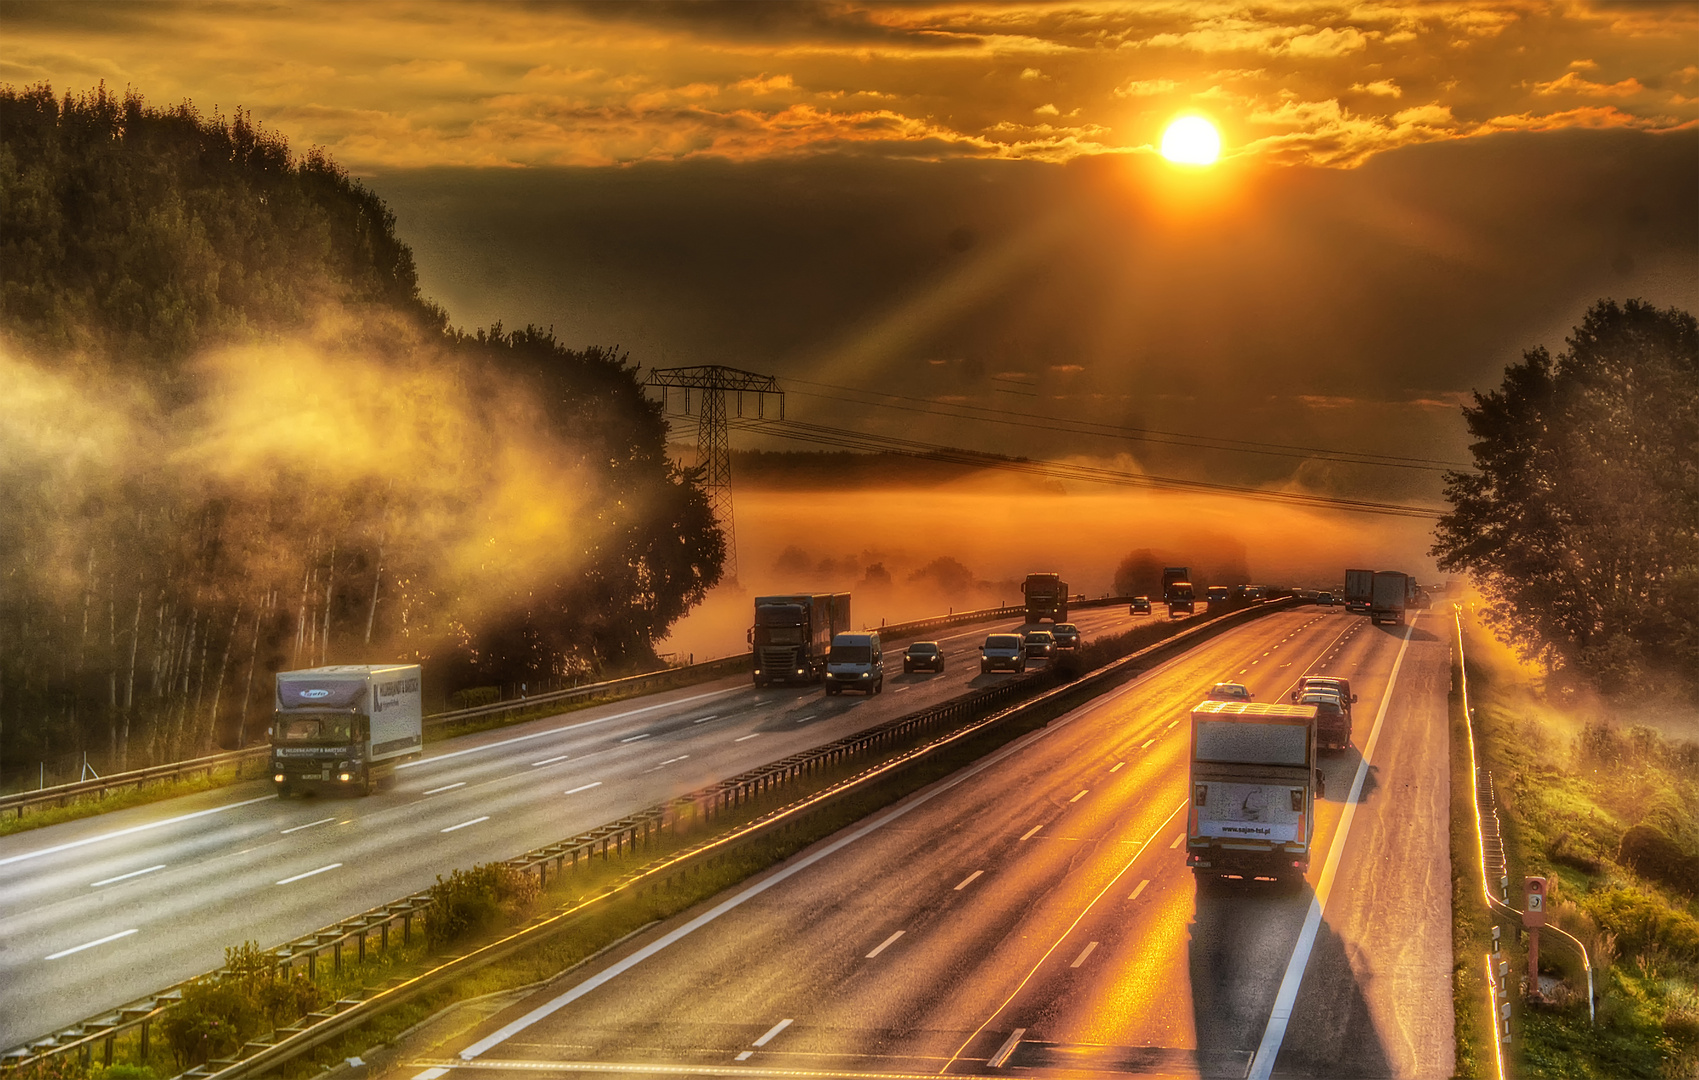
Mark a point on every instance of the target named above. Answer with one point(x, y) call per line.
point(1655, 855)
point(1570, 849)
point(474, 696)
point(470, 901)
point(219, 1013)
point(1642, 922)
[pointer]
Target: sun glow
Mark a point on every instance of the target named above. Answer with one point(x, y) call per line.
point(1191, 140)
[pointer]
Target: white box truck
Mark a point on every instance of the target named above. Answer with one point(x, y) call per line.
point(346, 726)
point(1254, 785)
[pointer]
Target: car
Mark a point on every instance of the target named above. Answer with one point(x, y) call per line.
point(1324, 599)
point(923, 656)
point(1002, 652)
point(855, 662)
point(1333, 720)
point(1229, 691)
point(1325, 684)
point(1140, 606)
point(1040, 643)
point(1067, 636)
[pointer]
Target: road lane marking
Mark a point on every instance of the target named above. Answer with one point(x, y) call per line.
point(1171, 724)
point(1119, 765)
point(566, 727)
point(446, 787)
point(463, 824)
point(1146, 744)
point(68, 845)
point(705, 719)
point(1178, 840)
point(550, 761)
point(888, 942)
point(967, 881)
point(584, 787)
point(772, 1031)
point(634, 738)
point(308, 825)
point(670, 760)
point(1087, 951)
point(309, 873)
point(1281, 1015)
point(124, 877)
point(1008, 1048)
point(805, 719)
point(1140, 889)
point(1080, 796)
point(91, 944)
point(1028, 834)
point(745, 738)
point(745, 1056)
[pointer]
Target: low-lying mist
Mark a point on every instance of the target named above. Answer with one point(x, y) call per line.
point(905, 553)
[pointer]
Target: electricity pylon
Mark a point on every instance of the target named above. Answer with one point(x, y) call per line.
point(713, 437)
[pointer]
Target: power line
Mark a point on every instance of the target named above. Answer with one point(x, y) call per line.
point(1168, 438)
point(856, 440)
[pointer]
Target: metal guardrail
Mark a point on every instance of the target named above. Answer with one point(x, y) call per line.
point(63, 794)
point(704, 807)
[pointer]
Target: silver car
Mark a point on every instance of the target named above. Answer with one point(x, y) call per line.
point(1002, 652)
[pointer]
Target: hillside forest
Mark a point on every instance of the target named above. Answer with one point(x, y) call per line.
point(236, 439)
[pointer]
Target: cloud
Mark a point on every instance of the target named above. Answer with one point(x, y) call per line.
point(1573, 83)
point(1380, 88)
point(1067, 369)
point(1047, 110)
point(1145, 88)
point(1032, 73)
point(1325, 401)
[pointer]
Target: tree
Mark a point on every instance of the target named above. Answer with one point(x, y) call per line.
point(1581, 521)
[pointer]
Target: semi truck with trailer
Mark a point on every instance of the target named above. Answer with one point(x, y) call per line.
point(1254, 785)
point(792, 635)
point(1181, 599)
point(1173, 576)
point(1359, 590)
point(1391, 594)
point(1046, 598)
point(345, 726)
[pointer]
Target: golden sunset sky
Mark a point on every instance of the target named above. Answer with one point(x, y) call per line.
point(943, 207)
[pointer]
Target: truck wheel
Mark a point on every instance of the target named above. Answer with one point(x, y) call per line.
point(879, 687)
point(284, 791)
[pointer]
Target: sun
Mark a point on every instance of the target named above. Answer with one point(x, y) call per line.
point(1191, 140)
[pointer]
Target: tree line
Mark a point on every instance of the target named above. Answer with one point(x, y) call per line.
point(239, 440)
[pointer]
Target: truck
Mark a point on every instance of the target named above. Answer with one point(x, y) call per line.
point(1046, 598)
point(792, 635)
point(1359, 590)
point(1254, 786)
point(1173, 576)
point(345, 726)
point(1391, 594)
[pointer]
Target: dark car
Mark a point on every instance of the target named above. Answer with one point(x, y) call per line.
point(1333, 719)
point(1324, 598)
point(1002, 651)
point(1140, 606)
point(1067, 636)
point(1040, 643)
point(923, 656)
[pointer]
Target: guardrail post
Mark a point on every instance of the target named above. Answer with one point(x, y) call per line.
point(383, 936)
point(145, 1025)
point(407, 928)
point(336, 955)
point(106, 1050)
point(313, 964)
point(362, 946)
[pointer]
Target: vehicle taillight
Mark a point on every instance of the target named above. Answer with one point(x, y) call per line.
point(1198, 797)
point(1298, 799)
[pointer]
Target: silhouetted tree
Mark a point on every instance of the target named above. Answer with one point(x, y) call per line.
point(1581, 523)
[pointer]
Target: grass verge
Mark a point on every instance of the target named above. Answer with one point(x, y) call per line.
point(1573, 780)
point(1471, 924)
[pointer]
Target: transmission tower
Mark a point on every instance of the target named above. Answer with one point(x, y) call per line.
point(713, 437)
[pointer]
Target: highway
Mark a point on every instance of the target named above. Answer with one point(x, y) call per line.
point(1034, 913)
point(97, 912)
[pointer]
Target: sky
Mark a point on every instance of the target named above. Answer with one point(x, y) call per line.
point(949, 222)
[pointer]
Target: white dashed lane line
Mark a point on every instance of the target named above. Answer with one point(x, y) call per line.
point(90, 944)
point(125, 877)
point(309, 873)
point(445, 787)
point(463, 824)
point(582, 787)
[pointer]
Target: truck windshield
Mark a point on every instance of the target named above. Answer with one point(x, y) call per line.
point(851, 654)
point(779, 635)
point(321, 730)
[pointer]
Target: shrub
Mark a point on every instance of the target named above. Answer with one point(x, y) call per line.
point(1641, 922)
point(470, 901)
point(474, 696)
point(220, 1012)
point(1653, 854)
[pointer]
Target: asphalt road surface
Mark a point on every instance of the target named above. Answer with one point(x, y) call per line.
point(1033, 913)
point(97, 912)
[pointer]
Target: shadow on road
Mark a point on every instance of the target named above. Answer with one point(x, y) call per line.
point(1242, 938)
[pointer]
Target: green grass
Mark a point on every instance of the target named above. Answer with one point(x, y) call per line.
point(1471, 927)
point(1563, 812)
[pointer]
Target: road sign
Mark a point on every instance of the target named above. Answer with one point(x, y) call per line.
point(1534, 911)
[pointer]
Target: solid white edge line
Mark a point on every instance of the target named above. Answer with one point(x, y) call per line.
point(1262, 1065)
point(91, 944)
point(883, 945)
point(124, 877)
point(771, 1032)
point(566, 727)
point(463, 824)
point(55, 849)
point(308, 825)
point(309, 873)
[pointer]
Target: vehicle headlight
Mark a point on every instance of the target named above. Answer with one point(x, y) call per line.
point(345, 777)
point(867, 674)
point(278, 778)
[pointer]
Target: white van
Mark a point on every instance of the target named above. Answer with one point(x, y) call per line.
point(855, 663)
